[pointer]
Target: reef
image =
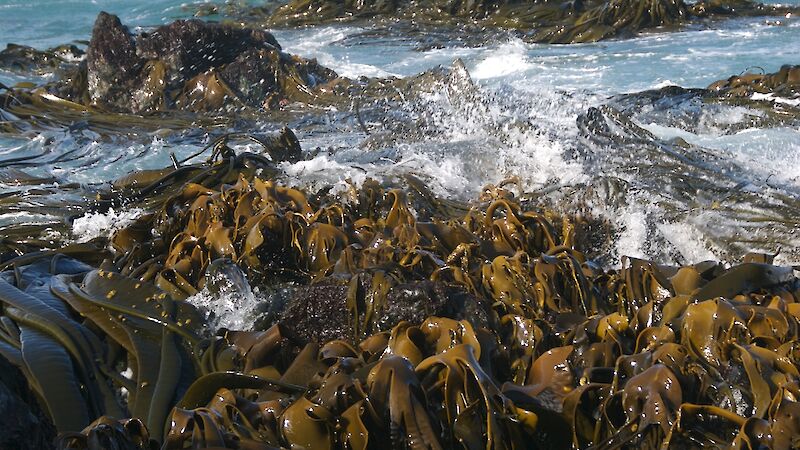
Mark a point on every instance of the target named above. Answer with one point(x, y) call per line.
point(192, 73)
point(186, 65)
point(406, 319)
point(557, 22)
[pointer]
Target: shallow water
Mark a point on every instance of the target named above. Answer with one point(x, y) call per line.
point(521, 122)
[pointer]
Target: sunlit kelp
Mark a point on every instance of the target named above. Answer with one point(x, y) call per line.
point(523, 343)
point(782, 85)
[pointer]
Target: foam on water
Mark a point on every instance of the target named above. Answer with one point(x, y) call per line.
point(231, 309)
point(94, 225)
point(507, 59)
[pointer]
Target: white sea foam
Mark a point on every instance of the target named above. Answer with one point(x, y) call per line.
point(504, 60)
point(772, 98)
point(231, 309)
point(94, 225)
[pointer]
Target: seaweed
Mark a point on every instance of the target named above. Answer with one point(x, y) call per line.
point(414, 322)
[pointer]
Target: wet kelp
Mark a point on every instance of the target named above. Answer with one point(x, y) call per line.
point(25, 59)
point(424, 323)
point(785, 83)
point(557, 22)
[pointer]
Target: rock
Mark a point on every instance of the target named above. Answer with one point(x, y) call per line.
point(413, 302)
point(112, 62)
point(319, 313)
point(267, 76)
point(21, 58)
point(565, 21)
point(23, 423)
point(192, 65)
point(191, 47)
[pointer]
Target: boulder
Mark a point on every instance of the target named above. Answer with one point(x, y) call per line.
point(322, 312)
point(191, 65)
point(112, 63)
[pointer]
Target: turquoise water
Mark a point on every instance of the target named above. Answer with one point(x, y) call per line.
point(692, 58)
point(544, 87)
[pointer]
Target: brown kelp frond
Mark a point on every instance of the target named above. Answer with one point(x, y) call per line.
point(400, 319)
point(783, 83)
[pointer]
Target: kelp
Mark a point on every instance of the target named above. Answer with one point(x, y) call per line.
point(409, 320)
point(557, 22)
point(22, 58)
point(784, 83)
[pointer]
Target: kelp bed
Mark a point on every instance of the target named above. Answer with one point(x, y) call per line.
point(411, 322)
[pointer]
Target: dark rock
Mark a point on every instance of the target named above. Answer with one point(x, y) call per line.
point(413, 302)
point(192, 65)
point(23, 424)
point(319, 313)
point(191, 47)
point(253, 75)
point(111, 61)
point(268, 76)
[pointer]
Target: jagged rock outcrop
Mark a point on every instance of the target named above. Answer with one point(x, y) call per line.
point(191, 65)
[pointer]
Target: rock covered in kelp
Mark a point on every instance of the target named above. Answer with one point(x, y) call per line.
point(23, 424)
point(193, 65)
point(21, 58)
point(551, 21)
point(783, 83)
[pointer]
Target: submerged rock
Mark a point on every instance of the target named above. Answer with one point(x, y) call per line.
point(191, 65)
